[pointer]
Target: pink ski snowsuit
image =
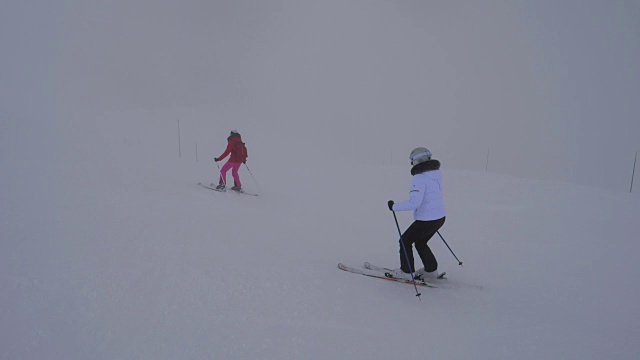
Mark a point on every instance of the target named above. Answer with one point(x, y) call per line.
point(233, 162)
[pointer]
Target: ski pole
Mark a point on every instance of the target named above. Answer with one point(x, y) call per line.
point(254, 179)
point(454, 255)
point(406, 255)
point(220, 175)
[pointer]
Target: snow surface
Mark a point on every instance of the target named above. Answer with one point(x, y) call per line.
point(110, 251)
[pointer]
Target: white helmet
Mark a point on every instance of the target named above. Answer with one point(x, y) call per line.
point(419, 155)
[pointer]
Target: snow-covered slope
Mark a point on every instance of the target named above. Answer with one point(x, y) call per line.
point(114, 253)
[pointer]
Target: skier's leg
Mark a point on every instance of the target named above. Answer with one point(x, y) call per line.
point(223, 172)
point(408, 238)
point(234, 171)
point(426, 255)
point(428, 229)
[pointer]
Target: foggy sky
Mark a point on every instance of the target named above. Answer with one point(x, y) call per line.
point(549, 89)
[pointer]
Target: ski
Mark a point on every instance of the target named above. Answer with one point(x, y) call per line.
point(384, 275)
point(244, 193)
point(211, 188)
point(370, 266)
point(441, 282)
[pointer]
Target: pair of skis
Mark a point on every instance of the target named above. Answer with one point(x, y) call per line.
point(385, 274)
point(212, 187)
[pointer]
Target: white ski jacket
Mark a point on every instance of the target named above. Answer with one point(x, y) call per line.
point(425, 195)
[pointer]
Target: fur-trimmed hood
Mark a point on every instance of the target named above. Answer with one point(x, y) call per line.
point(428, 165)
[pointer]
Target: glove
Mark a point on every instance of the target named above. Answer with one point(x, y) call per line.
point(390, 203)
point(216, 159)
point(245, 162)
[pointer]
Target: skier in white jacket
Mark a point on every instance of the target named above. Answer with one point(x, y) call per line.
point(425, 199)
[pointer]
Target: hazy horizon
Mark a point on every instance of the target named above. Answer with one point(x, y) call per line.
point(548, 89)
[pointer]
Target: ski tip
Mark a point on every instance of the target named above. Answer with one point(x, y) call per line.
point(368, 265)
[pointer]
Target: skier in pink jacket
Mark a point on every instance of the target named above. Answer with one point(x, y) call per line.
point(238, 152)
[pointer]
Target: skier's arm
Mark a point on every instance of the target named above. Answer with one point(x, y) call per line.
point(416, 194)
point(226, 151)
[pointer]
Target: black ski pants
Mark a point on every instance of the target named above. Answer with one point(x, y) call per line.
point(419, 233)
